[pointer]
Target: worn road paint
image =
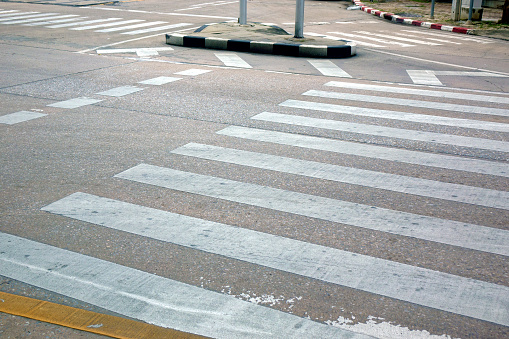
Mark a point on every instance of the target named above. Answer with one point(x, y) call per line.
point(443, 291)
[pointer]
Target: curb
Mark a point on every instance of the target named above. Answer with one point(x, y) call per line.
point(265, 47)
point(401, 20)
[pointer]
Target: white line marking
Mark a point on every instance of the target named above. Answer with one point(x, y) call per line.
point(452, 36)
point(75, 103)
point(8, 21)
point(118, 23)
point(150, 298)
point(11, 12)
point(423, 77)
point(124, 28)
point(443, 231)
point(422, 92)
point(383, 41)
point(14, 118)
point(443, 291)
point(330, 37)
point(390, 132)
point(121, 91)
point(155, 29)
point(38, 19)
point(370, 151)
point(193, 71)
point(159, 81)
point(386, 181)
point(232, 60)
point(395, 115)
point(328, 68)
point(418, 42)
point(82, 23)
point(55, 21)
point(138, 51)
point(412, 103)
point(432, 39)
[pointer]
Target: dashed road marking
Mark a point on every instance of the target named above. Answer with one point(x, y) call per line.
point(232, 60)
point(75, 103)
point(22, 116)
point(328, 68)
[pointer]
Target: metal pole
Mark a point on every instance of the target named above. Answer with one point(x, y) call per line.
point(470, 10)
point(299, 20)
point(243, 12)
point(432, 9)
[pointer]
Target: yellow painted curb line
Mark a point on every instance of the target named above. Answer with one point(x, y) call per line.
point(83, 320)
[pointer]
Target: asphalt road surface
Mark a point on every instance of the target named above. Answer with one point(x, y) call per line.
point(241, 195)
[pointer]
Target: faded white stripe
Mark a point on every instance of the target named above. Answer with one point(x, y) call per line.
point(75, 103)
point(121, 91)
point(232, 60)
point(155, 29)
point(22, 116)
point(83, 23)
point(370, 151)
point(38, 19)
point(383, 41)
point(395, 115)
point(421, 92)
point(431, 137)
point(411, 103)
point(25, 17)
point(123, 28)
point(469, 297)
point(328, 68)
point(118, 23)
point(150, 298)
point(449, 232)
point(387, 181)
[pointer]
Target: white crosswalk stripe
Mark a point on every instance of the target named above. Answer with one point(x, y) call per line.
point(331, 37)
point(390, 132)
point(369, 151)
point(410, 102)
point(380, 40)
point(123, 28)
point(5, 14)
point(395, 115)
point(148, 297)
point(477, 299)
point(29, 16)
point(117, 23)
point(466, 235)
point(171, 303)
point(27, 21)
point(391, 182)
point(82, 23)
point(450, 36)
point(51, 22)
point(402, 38)
point(413, 41)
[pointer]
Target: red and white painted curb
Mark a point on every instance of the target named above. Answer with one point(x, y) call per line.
point(399, 19)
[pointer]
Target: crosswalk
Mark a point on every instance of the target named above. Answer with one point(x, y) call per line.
point(80, 23)
point(403, 38)
point(171, 303)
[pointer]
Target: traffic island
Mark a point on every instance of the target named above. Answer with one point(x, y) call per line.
point(262, 38)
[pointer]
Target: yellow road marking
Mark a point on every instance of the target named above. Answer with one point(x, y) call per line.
point(83, 320)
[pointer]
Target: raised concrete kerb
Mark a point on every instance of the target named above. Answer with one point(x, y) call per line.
point(297, 50)
point(399, 19)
